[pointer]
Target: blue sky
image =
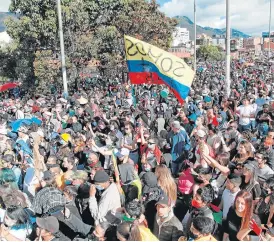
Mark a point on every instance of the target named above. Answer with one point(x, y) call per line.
point(252, 17)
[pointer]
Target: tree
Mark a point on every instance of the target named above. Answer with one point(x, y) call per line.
point(93, 30)
point(209, 52)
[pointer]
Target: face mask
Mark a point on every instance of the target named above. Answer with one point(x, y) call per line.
point(195, 204)
point(219, 120)
point(147, 169)
point(99, 187)
point(127, 219)
point(151, 147)
point(165, 216)
point(193, 236)
point(67, 182)
point(111, 127)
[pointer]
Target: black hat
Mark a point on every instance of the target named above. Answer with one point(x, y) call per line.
point(101, 177)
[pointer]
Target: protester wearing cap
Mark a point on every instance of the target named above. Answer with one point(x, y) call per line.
point(201, 148)
point(180, 143)
point(13, 165)
point(23, 134)
point(18, 114)
point(109, 199)
point(151, 156)
point(167, 227)
point(82, 100)
point(48, 229)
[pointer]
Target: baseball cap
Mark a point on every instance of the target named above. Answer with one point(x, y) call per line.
point(101, 177)
point(234, 178)
point(200, 133)
point(164, 200)
point(50, 224)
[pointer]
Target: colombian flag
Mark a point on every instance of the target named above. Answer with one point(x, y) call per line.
point(151, 65)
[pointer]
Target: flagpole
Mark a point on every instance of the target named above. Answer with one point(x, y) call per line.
point(195, 37)
point(228, 48)
point(269, 29)
point(63, 60)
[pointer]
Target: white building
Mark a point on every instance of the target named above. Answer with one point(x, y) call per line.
point(180, 36)
point(240, 43)
point(219, 42)
point(4, 39)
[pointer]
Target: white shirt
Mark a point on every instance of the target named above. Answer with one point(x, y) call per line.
point(245, 111)
point(19, 114)
point(228, 199)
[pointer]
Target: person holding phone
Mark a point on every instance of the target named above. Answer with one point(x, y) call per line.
point(238, 218)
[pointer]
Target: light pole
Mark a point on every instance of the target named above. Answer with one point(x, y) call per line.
point(228, 48)
point(63, 60)
point(269, 29)
point(195, 37)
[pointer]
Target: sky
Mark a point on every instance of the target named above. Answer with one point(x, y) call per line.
point(248, 16)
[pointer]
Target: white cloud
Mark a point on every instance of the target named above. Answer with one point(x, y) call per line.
point(4, 5)
point(250, 16)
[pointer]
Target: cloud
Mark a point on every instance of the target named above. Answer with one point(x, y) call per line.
point(4, 5)
point(251, 17)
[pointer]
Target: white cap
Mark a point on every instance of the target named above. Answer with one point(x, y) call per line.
point(200, 133)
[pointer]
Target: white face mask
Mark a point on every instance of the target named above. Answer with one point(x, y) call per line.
point(111, 127)
point(151, 146)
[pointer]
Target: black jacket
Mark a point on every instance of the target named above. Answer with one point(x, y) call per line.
point(169, 230)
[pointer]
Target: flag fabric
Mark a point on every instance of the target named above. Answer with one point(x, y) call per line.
point(8, 86)
point(149, 64)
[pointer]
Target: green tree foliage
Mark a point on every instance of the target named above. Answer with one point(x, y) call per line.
point(209, 52)
point(92, 30)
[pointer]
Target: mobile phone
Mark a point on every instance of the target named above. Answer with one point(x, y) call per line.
point(256, 228)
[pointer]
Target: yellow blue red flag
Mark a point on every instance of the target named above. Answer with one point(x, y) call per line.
point(152, 65)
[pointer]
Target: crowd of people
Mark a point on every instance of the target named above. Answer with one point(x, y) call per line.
point(118, 162)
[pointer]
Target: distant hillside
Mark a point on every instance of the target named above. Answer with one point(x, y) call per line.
point(185, 22)
point(3, 16)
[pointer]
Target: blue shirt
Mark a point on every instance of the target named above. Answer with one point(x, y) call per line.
point(180, 143)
